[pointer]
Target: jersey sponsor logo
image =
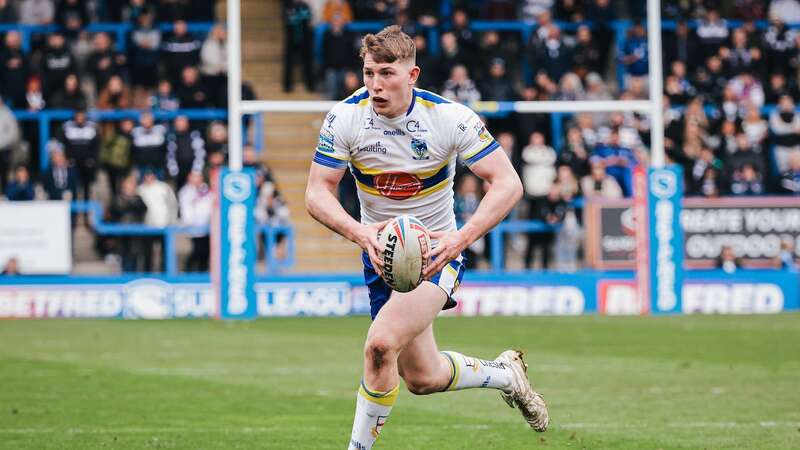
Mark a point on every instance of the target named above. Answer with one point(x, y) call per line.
point(395, 132)
point(483, 135)
point(398, 185)
point(330, 118)
point(413, 126)
point(369, 124)
point(374, 148)
point(461, 127)
point(420, 149)
point(325, 141)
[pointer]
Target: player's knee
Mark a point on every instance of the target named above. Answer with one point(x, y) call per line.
point(421, 384)
point(379, 350)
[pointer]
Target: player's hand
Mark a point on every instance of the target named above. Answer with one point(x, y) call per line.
point(367, 239)
point(449, 246)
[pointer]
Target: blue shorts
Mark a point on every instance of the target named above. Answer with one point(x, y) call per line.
point(448, 279)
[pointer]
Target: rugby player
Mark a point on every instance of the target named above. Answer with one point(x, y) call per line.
point(401, 145)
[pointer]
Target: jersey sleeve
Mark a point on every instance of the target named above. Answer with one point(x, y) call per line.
point(472, 140)
point(333, 148)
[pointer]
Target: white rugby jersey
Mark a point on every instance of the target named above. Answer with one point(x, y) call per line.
point(404, 165)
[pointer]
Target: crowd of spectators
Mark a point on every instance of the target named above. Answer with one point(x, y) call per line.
point(156, 171)
point(730, 85)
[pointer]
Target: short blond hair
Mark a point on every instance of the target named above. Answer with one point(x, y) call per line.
point(389, 45)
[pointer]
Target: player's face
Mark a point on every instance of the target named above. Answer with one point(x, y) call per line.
point(389, 85)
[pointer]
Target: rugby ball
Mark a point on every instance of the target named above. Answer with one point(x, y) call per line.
point(401, 244)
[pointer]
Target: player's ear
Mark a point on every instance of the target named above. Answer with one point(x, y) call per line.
point(413, 75)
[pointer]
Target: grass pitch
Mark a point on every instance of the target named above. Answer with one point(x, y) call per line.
point(623, 382)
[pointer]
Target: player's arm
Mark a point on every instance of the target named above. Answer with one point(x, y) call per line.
point(505, 190)
point(323, 206)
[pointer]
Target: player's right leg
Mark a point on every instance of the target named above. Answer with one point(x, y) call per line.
point(400, 319)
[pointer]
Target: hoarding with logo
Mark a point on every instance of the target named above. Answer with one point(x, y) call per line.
point(754, 227)
point(38, 235)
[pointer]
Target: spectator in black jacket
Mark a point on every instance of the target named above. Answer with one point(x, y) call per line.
point(57, 62)
point(60, 181)
point(15, 67)
point(497, 87)
point(190, 92)
point(104, 61)
point(681, 45)
point(186, 151)
point(180, 50)
point(552, 55)
point(71, 96)
point(450, 56)
point(81, 142)
point(8, 12)
point(149, 145)
point(128, 207)
point(338, 55)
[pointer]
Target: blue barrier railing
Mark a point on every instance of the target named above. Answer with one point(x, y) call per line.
point(119, 30)
point(270, 234)
point(46, 116)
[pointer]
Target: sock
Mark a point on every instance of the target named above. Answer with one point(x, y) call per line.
point(372, 410)
point(468, 372)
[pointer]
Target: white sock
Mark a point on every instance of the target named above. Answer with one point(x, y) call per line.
point(372, 410)
point(468, 372)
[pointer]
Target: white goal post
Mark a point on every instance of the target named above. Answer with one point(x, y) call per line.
point(237, 107)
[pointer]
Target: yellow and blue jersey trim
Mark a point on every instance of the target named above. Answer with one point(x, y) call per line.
point(359, 97)
point(428, 98)
point(329, 159)
point(474, 156)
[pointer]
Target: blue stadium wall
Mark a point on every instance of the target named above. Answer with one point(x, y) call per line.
point(584, 292)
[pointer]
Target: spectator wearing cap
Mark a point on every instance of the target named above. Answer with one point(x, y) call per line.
point(37, 12)
point(162, 211)
point(338, 55)
point(196, 202)
point(57, 63)
point(104, 61)
point(21, 187)
point(15, 68)
point(144, 52)
point(598, 184)
point(72, 15)
point(180, 50)
point(149, 149)
point(459, 87)
point(784, 124)
point(214, 60)
point(497, 87)
point(81, 141)
point(115, 154)
point(186, 151)
point(164, 99)
point(60, 180)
